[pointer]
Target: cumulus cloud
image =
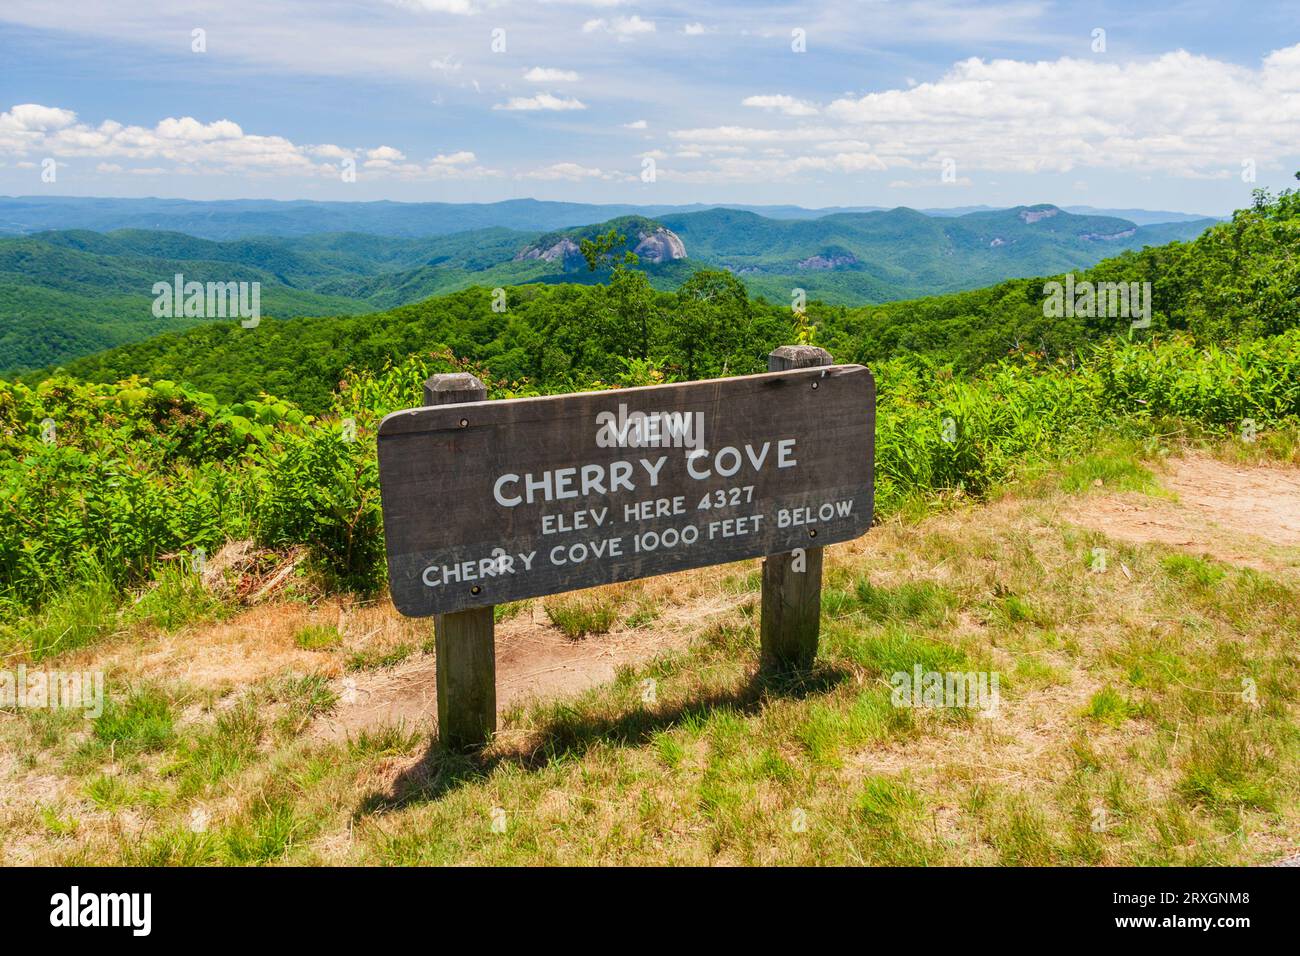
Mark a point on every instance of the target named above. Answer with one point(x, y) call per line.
point(636, 124)
point(1177, 114)
point(455, 159)
point(695, 29)
point(542, 74)
point(384, 154)
point(220, 146)
point(621, 27)
point(782, 104)
point(542, 101)
point(573, 172)
point(755, 134)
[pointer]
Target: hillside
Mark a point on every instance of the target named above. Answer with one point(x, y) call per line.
point(568, 332)
point(66, 293)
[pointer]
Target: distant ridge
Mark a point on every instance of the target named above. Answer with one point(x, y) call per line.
point(69, 292)
point(246, 218)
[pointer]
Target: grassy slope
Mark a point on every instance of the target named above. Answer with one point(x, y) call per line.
point(1121, 737)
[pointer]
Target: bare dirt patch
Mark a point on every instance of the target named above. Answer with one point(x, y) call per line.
point(535, 661)
point(1243, 515)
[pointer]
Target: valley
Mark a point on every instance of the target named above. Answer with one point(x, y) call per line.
point(69, 292)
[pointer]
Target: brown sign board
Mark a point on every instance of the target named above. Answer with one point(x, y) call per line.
point(495, 501)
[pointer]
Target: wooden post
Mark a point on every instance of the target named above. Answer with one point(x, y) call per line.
point(792, 582)
point(464, 641)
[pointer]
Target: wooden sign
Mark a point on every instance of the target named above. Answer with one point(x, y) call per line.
point(489, 502)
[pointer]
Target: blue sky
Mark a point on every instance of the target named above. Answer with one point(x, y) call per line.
point(929, 103)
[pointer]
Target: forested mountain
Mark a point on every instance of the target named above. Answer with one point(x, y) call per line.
point(243, 218)
point(68, 293)
point(1238, 279)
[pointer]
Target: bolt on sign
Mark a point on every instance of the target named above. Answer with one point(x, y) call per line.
point(495, 501)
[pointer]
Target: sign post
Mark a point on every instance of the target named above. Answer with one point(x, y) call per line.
point(491, 502)
point(464, 642)
point(792, 582)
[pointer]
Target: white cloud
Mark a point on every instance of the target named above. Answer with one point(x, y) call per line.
point(573, 172)
point(636, 124)
point(542, 74)
point(460, 7)
point(857, 162)
point(929, 183)
point(1178, 114)
point(542, 101)
point(386, 154)
point(781, 103)
point(695, 29)
point(751, 134)
point(454, 159)
point(445, 64)
point(621, 27)
point(330, 151)
point(32, 117)
point(218, 147)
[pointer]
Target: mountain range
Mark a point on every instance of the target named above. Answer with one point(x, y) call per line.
point(242, 218)
point(69, 292)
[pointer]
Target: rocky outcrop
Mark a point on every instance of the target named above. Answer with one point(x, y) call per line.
point(828, 261)
point(659, 244)
point(1106, 236)
point(563, 250)
point(1030, 216)
point(662, 245)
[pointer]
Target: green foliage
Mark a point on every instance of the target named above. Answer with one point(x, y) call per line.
point(139, 472)
point(142, 722)
point(318, 637)
point(582, 615)
point(321, 486)
point(95, 290)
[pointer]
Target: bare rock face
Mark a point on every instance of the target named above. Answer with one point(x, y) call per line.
point(1030, 216)
point(827, 262)
point(1106, 236)
point(563, 250)
point(659, 245)
point(662, 245)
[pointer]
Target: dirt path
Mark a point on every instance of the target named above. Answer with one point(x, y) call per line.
point(534, 660)
point(1243, 515)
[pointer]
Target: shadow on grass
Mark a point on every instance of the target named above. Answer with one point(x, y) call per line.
point(571, 734)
